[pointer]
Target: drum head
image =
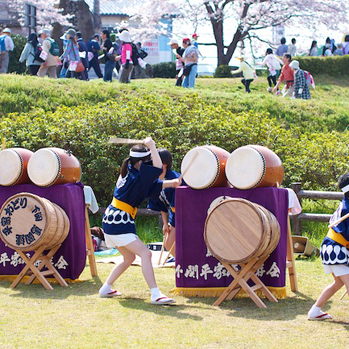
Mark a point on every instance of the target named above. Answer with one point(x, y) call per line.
point(44, 167)
point(200, 167)
point(11, 167)
point(234, 230)
point(245, 168)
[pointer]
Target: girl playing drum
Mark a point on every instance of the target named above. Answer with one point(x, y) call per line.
point(134, 185)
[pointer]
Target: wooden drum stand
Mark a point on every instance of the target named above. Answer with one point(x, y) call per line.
point(33, 223)
point(239, 232)
point(247, 272)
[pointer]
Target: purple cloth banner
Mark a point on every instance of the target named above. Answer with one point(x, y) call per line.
point(70, 259)
point(195, 266)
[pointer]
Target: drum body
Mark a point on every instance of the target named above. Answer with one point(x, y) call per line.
point(50, 166)
point(254, 166)
point(204, 167)
point(237, 230)
point(29, 221)
point(13, 166)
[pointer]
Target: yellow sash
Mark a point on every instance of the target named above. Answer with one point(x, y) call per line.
point(338, 238)
point(125, 207)
point(173, 209)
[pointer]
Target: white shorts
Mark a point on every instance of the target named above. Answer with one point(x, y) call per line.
point(119, 240)
point(337, 270)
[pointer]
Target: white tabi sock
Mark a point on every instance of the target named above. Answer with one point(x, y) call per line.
point(315, 311)
point(106, 288)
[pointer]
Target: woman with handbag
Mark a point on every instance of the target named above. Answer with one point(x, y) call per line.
point(190, 58)
point(71, 55)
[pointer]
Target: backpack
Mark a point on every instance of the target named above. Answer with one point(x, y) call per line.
point(135, 54)
point(114, 51)
point(2, 43)
point(37, 53)
point(309, 79)
point(54, 50)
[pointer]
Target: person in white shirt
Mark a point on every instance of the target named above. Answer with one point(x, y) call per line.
point(274, 65)
point(292, 48)
point(4, 55)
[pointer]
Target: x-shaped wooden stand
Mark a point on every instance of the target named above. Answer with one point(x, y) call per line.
point(35, 271)
point(241, 277)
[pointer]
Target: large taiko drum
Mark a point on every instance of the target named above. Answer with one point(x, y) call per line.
point(13, 166)
point(203, 167)
point(237, 230)
point(29, 221)
point(50, 166)
point(253, 166)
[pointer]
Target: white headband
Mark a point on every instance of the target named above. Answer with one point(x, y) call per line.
point(138, 154)
point(345, 189)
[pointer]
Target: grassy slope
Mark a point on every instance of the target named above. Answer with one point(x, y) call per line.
point(75, 317)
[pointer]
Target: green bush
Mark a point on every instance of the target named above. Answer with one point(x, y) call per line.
point(223, 71)
point(315, 159)
point(333, 65)
point(164, 70)
point(14, 65)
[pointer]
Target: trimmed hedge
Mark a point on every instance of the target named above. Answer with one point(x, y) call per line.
point(315, 159)
point(333, 65)
point(164, 70)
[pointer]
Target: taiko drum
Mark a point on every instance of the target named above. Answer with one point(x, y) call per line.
point(204, 167)
point(50, 166)
point(13, 166)
point(29, 221)
point(254, 166)
point(237, 230)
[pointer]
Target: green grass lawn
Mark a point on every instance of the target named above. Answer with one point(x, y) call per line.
point(75, 317)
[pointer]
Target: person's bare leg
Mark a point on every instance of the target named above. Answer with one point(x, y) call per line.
point(129, 257)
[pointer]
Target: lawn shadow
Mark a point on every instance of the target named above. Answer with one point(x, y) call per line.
point(176, 310)
point(285, 309)
point(37, 291)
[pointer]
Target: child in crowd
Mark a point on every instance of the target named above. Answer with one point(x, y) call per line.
point(274, 65)
point(137, 179)
point(335, 254)
point(166, 201)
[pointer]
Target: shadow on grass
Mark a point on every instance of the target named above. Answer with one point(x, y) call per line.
point(176, 310)
point(285, 309)
point(37, 291)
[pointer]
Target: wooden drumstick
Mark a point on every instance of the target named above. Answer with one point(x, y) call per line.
point(343, 295)
point(125, 140)
point(189, 165)
point(339, 220)
point(3, 143)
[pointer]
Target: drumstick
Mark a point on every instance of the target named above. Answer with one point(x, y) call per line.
point(169, 252)
point(125, 140)
point(339, 220)
point(3, 143)
point(190, 163)
point(343, 295)
point(162, 248)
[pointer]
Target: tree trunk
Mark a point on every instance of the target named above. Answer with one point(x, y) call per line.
point(97, 21)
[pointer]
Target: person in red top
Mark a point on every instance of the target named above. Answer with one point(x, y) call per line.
point(287, 76)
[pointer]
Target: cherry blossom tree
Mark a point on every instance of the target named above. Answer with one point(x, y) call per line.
point(248, 18)
point(47, 12)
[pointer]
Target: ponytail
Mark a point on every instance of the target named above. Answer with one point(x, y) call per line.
point(124, 167)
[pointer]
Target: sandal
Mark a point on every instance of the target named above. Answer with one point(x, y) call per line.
point(113, 293)
point(164, 301)
point(324, 316)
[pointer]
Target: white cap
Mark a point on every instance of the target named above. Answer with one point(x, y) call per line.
point(172, 41)
point(294, 65)
point(125, 36)
point(7, 30)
